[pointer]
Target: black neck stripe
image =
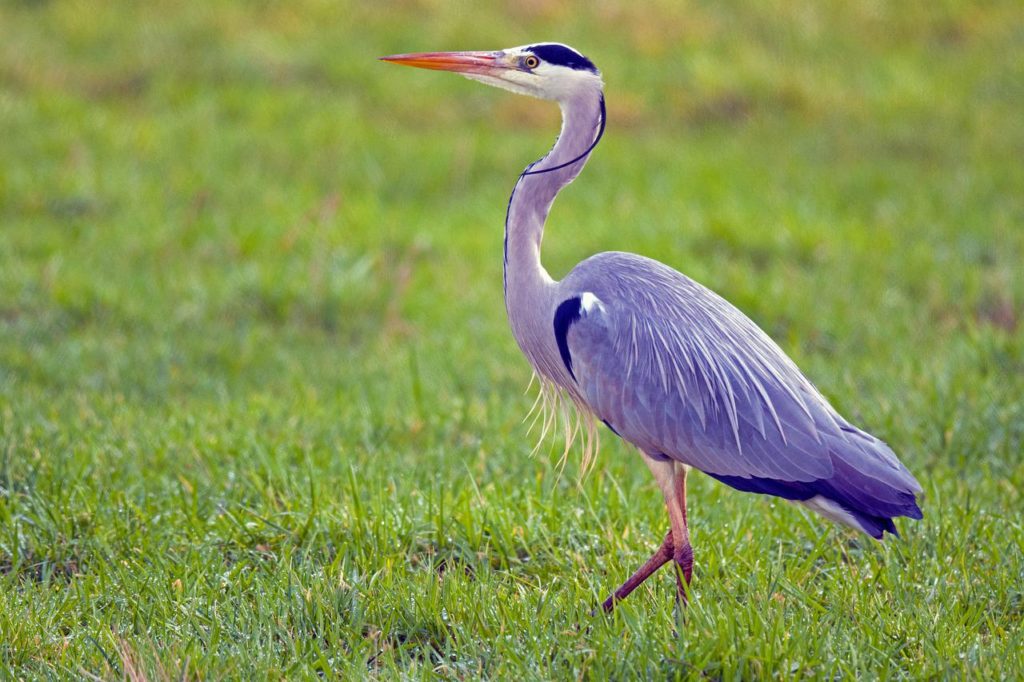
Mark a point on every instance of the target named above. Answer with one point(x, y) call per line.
point(600, 134)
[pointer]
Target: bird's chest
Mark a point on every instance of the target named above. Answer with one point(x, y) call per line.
point(531, 320)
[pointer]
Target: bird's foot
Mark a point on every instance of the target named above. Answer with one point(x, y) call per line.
point(662, 556)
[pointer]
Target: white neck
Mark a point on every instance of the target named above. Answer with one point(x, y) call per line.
point(527, 283)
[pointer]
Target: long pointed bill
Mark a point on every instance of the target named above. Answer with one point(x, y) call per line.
point(460, 62)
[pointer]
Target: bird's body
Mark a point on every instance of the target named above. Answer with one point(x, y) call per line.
point(649, 360)
point(667, 364)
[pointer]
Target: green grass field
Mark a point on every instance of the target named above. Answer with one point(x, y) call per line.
point(261, 415)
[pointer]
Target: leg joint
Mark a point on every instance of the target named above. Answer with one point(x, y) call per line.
point(683, 556)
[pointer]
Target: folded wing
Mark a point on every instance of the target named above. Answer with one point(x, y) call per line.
point(680, 372)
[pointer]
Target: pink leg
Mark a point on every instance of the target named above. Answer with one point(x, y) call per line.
point(676, 547)
point(657, 560)
point(682, 552)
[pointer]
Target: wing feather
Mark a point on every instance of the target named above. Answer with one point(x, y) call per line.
point(677, 370)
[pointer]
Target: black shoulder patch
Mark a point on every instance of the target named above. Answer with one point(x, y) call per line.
point(568, 311)
point(561, 55)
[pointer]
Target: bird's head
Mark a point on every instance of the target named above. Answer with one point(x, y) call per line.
point(546, 70)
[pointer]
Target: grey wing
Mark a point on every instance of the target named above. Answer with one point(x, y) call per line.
point(678, 371)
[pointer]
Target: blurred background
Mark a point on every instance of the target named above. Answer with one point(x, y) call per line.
point(244, 264)
point(183, 183)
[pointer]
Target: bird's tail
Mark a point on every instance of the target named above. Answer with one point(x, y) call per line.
point(843, 498)
point(866, 497)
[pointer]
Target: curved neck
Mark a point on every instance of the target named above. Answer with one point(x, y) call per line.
point(583, 117)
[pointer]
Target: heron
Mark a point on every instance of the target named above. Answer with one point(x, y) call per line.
point(665, 363)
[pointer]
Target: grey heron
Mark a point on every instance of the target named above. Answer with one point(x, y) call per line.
point(668, 365)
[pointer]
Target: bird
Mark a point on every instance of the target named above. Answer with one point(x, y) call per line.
point(665, 363)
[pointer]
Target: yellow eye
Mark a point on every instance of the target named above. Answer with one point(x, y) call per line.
point(531, 62)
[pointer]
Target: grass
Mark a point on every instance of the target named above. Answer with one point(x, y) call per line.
point(260, 413)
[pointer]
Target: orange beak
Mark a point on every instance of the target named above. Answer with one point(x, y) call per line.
point(460, 62)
